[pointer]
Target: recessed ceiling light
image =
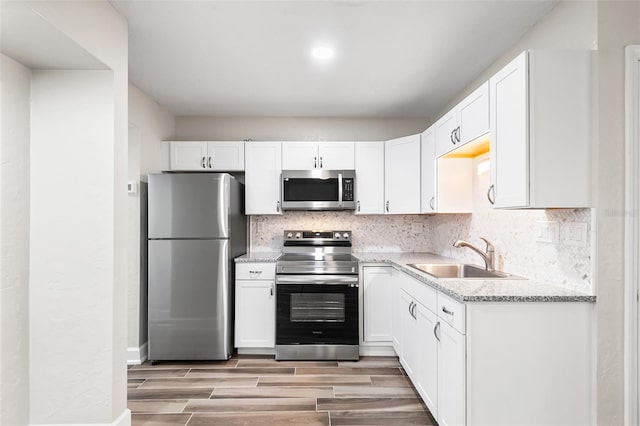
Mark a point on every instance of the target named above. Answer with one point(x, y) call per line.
point(322, 53)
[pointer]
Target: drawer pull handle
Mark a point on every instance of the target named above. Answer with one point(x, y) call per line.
point(446, 311)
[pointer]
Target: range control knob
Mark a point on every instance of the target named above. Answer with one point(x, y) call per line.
point(298, 235)
point(336, 235)
point(290, 235)
point(345, 235)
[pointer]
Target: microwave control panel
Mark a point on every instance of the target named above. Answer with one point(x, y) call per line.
point(347, 189)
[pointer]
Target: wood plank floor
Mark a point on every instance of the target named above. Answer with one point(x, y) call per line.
point(257, 390)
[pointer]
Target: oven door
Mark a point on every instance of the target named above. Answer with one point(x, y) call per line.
point(317, 309)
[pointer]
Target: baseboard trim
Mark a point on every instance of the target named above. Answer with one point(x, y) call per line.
point(256, 351)
point(377, 351)
point(364, 351)
point(136, 356)
point(123, 419)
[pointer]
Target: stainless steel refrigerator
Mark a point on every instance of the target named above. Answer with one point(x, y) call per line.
point(197, 227)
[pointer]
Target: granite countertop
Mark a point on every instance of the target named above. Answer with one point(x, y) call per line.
point(477, 290)
point(254, 257)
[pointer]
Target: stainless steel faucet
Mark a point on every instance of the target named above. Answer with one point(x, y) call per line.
point(487, 256)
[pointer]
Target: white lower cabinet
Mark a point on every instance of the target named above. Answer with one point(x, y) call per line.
point(427, 348)
point(409, 355)
point(494, 363)
point(397, 311)
point(451, 376)
point(255, 308)
point(428, 354)
point(377, 292)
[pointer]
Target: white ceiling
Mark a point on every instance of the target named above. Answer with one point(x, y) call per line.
point(29, 39)
point(252, 58)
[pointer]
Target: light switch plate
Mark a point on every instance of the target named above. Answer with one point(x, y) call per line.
point(547, 232)
point(575, 234)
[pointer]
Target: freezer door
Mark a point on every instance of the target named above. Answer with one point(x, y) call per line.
point(189, 300)
point(189, 205)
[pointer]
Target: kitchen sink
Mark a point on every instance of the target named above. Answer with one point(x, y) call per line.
point(461, 271)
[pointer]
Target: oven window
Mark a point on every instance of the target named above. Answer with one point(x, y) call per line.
point(317, 307)
point(302, 189)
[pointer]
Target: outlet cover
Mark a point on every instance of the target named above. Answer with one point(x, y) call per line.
point(547, 232)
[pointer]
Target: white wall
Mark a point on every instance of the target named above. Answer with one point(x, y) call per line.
point(570, 25)
point(98, 384)
point(618, 25)
point(294, 128)
point(155, 124)
point(15, 87)
point(72, 225)
point(150, 124)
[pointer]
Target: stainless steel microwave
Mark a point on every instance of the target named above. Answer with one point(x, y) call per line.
point(318, 189)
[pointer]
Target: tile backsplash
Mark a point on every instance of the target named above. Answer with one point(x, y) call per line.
point(512, 232)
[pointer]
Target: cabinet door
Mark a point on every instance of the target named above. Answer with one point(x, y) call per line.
point(336, 155)
point(402, 175)
point(300, 155)
point(427, 346)
point(262, 177)
point(369, 162)
point(409, 355)
point(225, 156)
point(255, 314)
point(446, 132)
point(509, 100)
point(451, 376)
point(188, 156)
point(397, 314)
point(377, 292)
point(428, 175)
point(474, 114)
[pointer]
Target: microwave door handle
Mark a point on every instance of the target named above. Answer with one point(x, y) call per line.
point(340, 189)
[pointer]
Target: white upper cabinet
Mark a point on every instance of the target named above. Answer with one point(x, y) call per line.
point(216, 156)
point(187, 155)
point(465, 122)
point(318, 155)
point(262, 177)
point(447, 183)
point(299, 155)
point(428, 160)
point(225, 156)
point(336, 155)
point(447, 132)
point(369, 159)
point(402, 175)
point(473, 114)
point(540, 108)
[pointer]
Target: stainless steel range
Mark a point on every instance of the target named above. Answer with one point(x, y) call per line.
point(317, 297)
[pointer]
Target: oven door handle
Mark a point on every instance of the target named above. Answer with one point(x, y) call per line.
point(318, 279)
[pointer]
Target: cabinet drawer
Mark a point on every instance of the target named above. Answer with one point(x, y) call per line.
point(422, 293)
point(255, 271)
point(452, 312)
